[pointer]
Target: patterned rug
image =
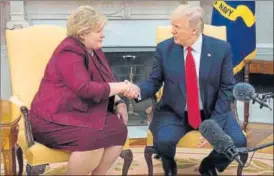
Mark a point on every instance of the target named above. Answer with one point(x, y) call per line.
point(188, 161)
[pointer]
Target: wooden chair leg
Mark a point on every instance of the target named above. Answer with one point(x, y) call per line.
point(244, 158)
point(20, 160)
point(128, 157)
point(35, 170)
point(149, 150)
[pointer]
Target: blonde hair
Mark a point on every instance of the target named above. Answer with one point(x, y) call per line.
point(194, 14)
point(84, 20)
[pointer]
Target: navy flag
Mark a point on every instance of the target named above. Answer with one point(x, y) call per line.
point(239, 19)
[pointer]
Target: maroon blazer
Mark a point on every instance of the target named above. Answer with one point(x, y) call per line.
point(69, 92)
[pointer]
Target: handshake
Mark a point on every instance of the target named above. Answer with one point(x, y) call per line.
point(130, 90)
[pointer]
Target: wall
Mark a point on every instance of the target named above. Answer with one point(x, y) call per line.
point(264, 27)
point(5, 83)
point(128, 20)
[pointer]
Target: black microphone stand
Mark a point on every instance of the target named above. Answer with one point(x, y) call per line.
point(264, 98)
point(267, 95)
point(246, 150)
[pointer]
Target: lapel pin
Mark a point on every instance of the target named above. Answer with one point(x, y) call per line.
point(208, 54)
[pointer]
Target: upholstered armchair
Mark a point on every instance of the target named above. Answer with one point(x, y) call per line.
point(29, 50)
point(191, 139)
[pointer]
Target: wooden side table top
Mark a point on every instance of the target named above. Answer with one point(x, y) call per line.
point(10, 113)
point(260, 66)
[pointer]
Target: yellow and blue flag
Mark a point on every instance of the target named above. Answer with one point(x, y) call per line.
point(239, 19)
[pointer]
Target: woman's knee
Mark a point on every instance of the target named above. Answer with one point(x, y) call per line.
point(96, 153)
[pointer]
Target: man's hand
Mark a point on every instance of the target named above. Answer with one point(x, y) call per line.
point(133, 91)
point(121, 112)
point(203, 142)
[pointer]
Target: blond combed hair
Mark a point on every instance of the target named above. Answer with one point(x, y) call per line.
point(194, 14)
point(84, 20)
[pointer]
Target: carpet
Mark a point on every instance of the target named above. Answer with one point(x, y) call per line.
point(188, 160)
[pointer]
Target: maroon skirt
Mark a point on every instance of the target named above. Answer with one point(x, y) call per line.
point(74, 138)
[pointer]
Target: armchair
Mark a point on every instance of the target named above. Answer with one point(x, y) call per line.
point(191, 139)
point(29, 50)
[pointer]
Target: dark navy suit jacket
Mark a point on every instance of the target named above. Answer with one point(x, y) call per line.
point(216, 81)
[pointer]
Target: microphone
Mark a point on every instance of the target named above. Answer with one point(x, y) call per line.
point(246, 92)
point(221, 142)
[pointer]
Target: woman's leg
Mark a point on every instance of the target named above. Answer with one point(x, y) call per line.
point(109, 157)
point(83, 162)
point(113, 135)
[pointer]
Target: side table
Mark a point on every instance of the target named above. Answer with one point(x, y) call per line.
point(255, 66)
point(10, 116)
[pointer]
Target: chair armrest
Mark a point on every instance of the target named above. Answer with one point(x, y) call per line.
point(159, 94)
point(24, 110)
point(149, 114)
point(155, 99)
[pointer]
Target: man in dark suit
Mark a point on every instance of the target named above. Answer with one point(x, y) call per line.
point(198, 80)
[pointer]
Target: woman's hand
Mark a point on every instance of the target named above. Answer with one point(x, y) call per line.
point(117, 88)
point(121, 112)
point(131, 90)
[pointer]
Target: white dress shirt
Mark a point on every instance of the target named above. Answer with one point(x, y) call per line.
point(196, 52)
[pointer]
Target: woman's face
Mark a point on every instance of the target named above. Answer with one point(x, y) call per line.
point(93, 40)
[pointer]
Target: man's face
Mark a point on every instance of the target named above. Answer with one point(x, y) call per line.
point(181, 30)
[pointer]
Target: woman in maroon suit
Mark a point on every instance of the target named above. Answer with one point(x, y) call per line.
point(77, 107)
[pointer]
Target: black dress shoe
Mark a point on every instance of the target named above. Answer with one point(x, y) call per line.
point(207, 168)
point(209, 172)
point(168, 173)
point(173, 170)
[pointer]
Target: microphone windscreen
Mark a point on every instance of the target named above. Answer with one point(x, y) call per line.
point(243, 91)
point(213, 133)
